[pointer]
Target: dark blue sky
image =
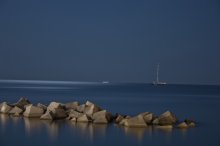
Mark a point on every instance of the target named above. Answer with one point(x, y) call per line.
point(110, 40)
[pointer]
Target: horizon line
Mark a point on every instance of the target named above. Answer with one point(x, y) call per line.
point(90, 82)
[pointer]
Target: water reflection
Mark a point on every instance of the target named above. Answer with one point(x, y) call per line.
point(89, 131)
point(34, 126)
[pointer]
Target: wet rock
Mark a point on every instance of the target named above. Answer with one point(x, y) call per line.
point(59, 113)
point(81, 108)
point(48, 116)
point(182, 125)
point(5, 108)
point(118, 118)
point(148, 117)
point(83, 118)
point(74, 114)
point(74, 119)
point(102, 117)
point(54, 105)
point(190, 123)
point(122, 122)
point(137, 121)
point(72, 105)
point(44, 107)
point(91, 108)
point(22, 102)
point(167, 118)
point(16, 110)
point(33, 111)
point(155, 121)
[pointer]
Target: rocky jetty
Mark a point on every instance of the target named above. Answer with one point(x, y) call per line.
point(91, 113)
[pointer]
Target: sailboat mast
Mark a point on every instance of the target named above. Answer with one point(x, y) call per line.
point(158, 67)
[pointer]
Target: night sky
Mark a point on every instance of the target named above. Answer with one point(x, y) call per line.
point(113, 40)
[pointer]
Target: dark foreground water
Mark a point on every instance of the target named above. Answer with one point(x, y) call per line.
point(201, 103)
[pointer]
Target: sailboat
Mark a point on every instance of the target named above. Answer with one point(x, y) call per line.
point(157, 82)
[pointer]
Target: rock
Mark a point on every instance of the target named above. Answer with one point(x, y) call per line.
point(155, 121)
point(47, 116)
point(83, 118)
point(59, 113)
point(44, 107)
point(54, 105)
point(167, 118)
point(91, 108)
point(22, 102)
point(81, 108)
point(137, 121)
point(148, 117)
point(118, 118)
point(102, 117)
point(72, 105)
point(74, 114)
point(5, 108)
point(182, 125)
point(74, 119)
point(190, 123)
point(16, 110)
point(33, 111)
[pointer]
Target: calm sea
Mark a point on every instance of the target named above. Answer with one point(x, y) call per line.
point(198, 102)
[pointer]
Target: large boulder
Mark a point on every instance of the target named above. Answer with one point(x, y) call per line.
point(47, 116)
point(182, 125)
point(81, 108)
point(5, 108)
point(167, 118)
point(33, 111)
point(59, 113)
point(148, 117)
point(137, 121)
point(22, 102)
point(74, 114)
point(102, 117)
point(72, 105)
point(118, 118)
point(16, 111)
point(84, 118)
point(91, 108)
point(40, 105)
point(54, 105)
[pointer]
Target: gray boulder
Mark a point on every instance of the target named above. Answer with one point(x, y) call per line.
point(54, 105)
point(167, 118)
point(81, 108)
point(182, 125)
point(5, 108)
point(148, 117)
point(22, 102)
point(102, 117)
point(83, 118)
point(33, 112)
point(47, 116)
point(137, 121)
point(59, 113)
point(118, 118)
point(16, 111)
point(40, 105)
point(74, 114)
point(91, 108)
point(72, 105)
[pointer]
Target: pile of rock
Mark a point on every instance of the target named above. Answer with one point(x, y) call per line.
point(90, 112)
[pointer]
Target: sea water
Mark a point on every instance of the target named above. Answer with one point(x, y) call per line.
point(198, 102)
